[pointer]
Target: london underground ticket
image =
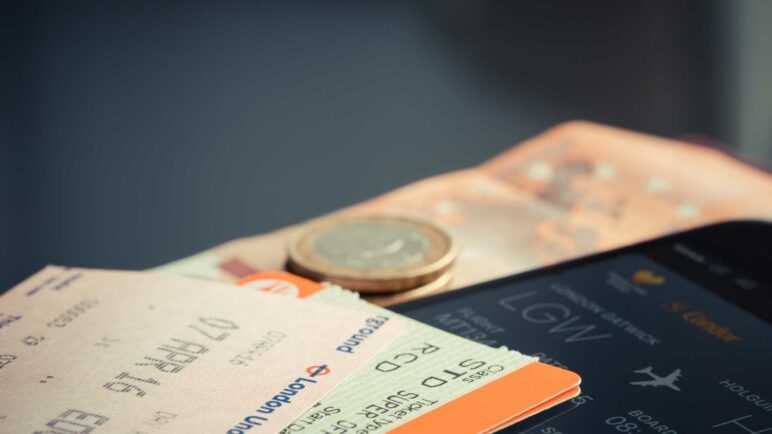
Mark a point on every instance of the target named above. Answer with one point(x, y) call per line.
point(91, 351)
point(427, 380)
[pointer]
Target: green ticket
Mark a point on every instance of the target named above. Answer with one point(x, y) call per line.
point(420, 371)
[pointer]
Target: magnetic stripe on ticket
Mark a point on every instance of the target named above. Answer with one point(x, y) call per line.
point(563, 397)
point(522, 393)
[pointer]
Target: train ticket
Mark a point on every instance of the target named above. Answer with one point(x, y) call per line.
point(91, 351)
point(427, 380)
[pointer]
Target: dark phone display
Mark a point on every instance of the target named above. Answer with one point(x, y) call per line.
point(657, 353)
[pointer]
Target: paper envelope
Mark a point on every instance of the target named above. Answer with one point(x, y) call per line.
point(440, 395)
point(88, 351)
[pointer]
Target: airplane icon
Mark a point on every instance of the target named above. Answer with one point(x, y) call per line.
point(657, 381)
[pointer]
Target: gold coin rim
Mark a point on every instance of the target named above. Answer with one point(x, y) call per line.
point(434, 287)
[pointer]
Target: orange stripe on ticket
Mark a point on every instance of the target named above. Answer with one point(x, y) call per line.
point(520, 394)
point(563, 397)
point(281, 282)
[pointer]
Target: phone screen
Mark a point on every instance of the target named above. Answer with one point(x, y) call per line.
point(657, 334)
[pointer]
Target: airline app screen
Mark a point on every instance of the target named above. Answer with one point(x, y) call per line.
point(657, 353)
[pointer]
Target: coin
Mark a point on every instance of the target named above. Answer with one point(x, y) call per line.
point(372, 253)
point(431, 288)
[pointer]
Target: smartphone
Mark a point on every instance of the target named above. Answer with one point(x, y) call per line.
point(670, 336)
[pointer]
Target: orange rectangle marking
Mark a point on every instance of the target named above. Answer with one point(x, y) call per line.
point(500, 403)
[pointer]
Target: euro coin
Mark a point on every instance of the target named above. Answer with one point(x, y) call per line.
point(372, 253)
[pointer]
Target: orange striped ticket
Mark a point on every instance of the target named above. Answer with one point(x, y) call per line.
point(520, 392)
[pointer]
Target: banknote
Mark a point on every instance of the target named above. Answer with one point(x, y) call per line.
point(576, 189)
point(425, 371)
point(105, 351)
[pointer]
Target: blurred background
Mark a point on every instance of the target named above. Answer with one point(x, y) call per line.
point(135, 133)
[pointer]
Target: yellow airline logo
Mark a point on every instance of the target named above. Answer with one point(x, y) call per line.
point(701, 321)
point(647, 277)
